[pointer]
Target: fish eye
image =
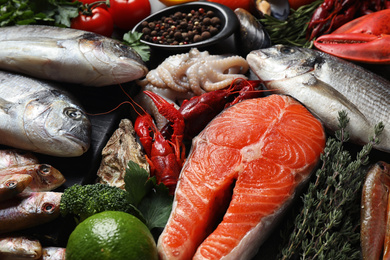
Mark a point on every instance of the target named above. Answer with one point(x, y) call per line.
point(48, 208)
point(44, 169)
point(286, 50)
point(11, 184)
point(73, 113)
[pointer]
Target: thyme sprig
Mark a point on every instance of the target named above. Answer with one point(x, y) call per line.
point(327, 226)
point(292, 31)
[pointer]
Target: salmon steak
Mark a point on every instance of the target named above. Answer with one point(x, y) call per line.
point(242, 172)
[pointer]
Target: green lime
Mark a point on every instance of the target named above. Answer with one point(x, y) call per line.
point(111, 235)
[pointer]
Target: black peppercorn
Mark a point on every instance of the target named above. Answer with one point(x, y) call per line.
point(182, 28)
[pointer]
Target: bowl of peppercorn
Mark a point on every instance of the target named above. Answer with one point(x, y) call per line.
point(189, 25)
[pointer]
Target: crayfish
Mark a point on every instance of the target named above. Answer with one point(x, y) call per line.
point(164, 149)
point(332, 14)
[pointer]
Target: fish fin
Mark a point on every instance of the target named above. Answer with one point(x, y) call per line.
point(327, 90)
point(4, 105)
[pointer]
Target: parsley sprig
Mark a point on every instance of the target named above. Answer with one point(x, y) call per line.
point(152, 200)
point(49, 12)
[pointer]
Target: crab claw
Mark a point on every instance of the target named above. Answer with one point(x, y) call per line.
point(359, 47)
point(365, 39)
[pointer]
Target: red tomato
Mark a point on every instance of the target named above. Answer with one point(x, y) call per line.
point(295, 4)
point(127, 13)
point(100, 21)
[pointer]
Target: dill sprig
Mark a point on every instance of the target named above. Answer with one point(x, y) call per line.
point(292, 31)
point(327, 226)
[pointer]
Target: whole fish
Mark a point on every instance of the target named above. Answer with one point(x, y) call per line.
point(326, 85)
point(15, 157)
point(19, 247)
point(68, 55)
point(27, 210)
point(38, 116)
point(44, 177)
point(10, 185)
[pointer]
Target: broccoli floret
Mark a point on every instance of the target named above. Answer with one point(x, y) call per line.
point(83, 201)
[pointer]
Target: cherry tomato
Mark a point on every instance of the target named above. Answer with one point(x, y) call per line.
point(99, 21)
point(127, 13)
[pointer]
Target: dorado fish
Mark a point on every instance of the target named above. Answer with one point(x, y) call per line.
point(38, 116)
point(27, 210)
point(246, 178)
point(45, 177)
point(10, 185)
point(68, 55)
point(326, 85)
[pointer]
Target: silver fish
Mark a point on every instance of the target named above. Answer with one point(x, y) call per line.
point(38, 116)
point(27, 210)
point(15, 157)
point(19, 247)
point(326, 85)
point(68, 55)
point(45, 177)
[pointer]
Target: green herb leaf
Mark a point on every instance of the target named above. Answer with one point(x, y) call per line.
point(49, 12)
point(293, 30)
point(137, 183)
point(133, 39)
point(156, 207)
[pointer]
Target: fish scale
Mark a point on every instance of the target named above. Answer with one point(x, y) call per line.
point(250, 194)
point(39, 116)
point(327, 85)
point(68, 55)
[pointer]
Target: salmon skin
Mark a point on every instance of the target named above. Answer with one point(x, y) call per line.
point(253, 158)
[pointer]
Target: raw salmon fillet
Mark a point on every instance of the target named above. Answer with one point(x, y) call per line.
point(245, 166)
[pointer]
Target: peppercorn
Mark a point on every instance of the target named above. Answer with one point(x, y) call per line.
point(182, 28)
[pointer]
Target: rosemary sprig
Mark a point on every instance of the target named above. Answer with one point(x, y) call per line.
point(327, 226)
point(293, 30)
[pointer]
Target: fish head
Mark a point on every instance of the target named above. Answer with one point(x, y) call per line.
point(122, 61)
point(49, 178)
point(17, 182)
point(46, 204)
point(56, 125)
point(282, 62)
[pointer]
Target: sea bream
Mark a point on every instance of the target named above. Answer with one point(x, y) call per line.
point(39, 116)
point(68, 55)
point(326, 85)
